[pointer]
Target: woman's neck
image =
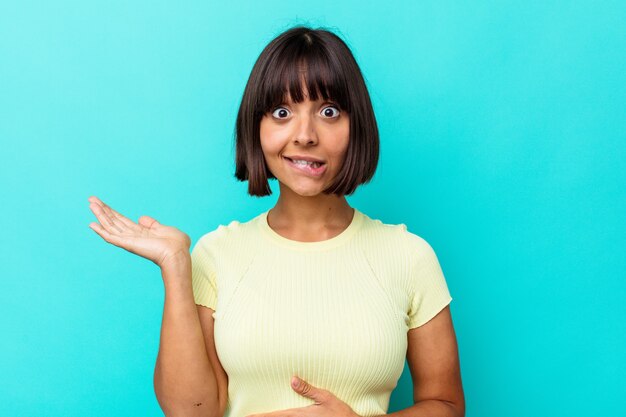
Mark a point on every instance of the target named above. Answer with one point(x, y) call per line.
point(314, 218)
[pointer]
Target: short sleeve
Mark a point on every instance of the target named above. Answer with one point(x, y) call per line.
point(430, 291)
point(203, 275)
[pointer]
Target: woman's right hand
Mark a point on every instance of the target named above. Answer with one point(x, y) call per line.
point(148, 238)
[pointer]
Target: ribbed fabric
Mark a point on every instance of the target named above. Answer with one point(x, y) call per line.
point(335, 312)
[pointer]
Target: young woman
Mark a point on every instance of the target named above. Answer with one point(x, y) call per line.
point(310, 308)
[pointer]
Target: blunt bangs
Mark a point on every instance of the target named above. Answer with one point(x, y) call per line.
point(315, 70)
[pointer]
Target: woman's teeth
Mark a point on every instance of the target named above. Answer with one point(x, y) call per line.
point(304, 163)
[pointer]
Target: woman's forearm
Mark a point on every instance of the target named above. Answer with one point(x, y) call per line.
point(430, 408)
point(184, 381)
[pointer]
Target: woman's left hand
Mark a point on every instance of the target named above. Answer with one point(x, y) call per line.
point(326, 404)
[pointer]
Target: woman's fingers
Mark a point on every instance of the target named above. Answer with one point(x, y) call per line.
point(104, 234)
point(113, 220)
point(147, 238)
point(117, 217)
point(105, 220)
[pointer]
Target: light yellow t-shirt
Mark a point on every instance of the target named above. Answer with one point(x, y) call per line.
point(335, 312)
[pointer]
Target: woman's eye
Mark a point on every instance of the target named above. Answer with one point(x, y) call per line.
point(280, 113)
point(330, 111)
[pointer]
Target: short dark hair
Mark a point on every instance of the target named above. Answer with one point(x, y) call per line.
point(330, 71)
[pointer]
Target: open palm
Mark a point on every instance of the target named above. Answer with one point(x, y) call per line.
point(147, 238)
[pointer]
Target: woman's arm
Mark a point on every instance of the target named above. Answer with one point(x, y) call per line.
point(434, 363)
point(185, 382)
point(433, 360)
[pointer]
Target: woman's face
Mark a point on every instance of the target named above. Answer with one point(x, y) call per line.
point(308, 131)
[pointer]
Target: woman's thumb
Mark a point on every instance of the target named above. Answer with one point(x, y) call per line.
point(148, 222)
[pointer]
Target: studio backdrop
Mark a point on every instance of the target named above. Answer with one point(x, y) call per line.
point(503, 144)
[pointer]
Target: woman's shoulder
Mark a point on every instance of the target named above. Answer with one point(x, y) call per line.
point(233, 229)
point(397, 235)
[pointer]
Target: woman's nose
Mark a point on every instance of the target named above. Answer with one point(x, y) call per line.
point(305, 130)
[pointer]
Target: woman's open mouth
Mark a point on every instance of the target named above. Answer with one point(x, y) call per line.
point(311, 168)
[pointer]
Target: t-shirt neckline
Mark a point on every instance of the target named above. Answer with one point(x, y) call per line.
point(335, 241)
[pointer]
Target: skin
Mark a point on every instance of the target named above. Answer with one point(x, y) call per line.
point(310, 128)
point(187, 330)
point(304, 213)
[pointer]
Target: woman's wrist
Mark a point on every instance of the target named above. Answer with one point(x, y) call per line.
point(176, 274)
point(178, 260)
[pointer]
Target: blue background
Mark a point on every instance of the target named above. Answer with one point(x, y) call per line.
point(503, 132)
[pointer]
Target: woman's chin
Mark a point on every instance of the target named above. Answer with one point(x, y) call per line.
point(304, 191)
point(308, 193)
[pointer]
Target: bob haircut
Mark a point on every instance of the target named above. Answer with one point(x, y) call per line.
point(320, 61)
